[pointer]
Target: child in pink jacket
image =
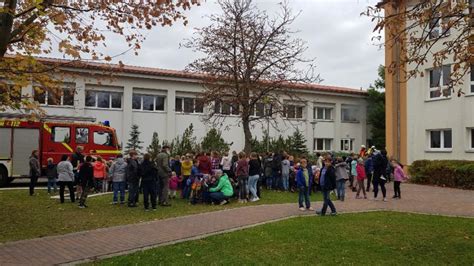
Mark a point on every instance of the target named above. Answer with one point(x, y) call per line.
point(398, 177)
point(173, 185)
point(360, 178)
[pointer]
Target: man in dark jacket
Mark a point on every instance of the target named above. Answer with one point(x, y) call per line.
point(164, 173)
point(380, 167)
point(327, 181)
point(132, 179)
point(148, 174)
point(86, 174)
point(276, 167)
point(369, 170)
point(35, 171)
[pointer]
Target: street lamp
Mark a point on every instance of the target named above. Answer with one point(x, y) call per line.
point(313, 124)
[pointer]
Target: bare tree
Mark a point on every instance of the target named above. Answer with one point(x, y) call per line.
point(251, 60)
point(426, 29)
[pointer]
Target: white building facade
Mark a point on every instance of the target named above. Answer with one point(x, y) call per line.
point(165, 101)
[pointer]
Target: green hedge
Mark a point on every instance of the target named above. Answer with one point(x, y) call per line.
point(446, 173)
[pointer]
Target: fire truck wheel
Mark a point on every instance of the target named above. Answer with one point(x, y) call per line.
point(4, 179)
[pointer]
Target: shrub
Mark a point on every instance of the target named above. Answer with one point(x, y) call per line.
point(446, 173)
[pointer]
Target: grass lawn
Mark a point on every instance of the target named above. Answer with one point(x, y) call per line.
point(24, 217)
point(375, 238)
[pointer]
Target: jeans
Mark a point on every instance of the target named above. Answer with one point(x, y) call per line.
point(304, 195)
point(285, 179)
point(52, 184)
point(33, 181)
point(253, 179)
point(119, 187)
point(163, 189)
point(396, 188)
point(132, 192)
point(269, 181)
point(243, 180)
point(217, 197)
point(70, 186)
point(341, 189)
point(276, 180)
point(369, 180)
point(149, 193)
point(378, 181)
point(327, 202)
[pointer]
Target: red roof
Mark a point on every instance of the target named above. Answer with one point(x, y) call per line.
point(107, 67)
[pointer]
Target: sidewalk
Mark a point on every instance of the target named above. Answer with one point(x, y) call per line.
point(89, 245)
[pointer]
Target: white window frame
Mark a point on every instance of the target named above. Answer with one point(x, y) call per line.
point(326, 110)
point(352, 107)
point(325, 148)
point(296, 106)
point(232, 109)
point(349, 141)
point(182, 105)
point(110, 100)
point(61, 99)
point(470, 140)
point(266, 112)
point(155, 96)
point(441, 87)
point(442, 147)
point(471, 88)
point(439, 28)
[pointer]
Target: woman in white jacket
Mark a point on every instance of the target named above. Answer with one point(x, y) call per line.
point(65, 178)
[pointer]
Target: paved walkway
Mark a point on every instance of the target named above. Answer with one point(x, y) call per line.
point(117, 240)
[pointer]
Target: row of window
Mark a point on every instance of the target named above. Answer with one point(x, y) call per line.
point(63, 134)
point(439, 79)
point(442, 140)
point(326, 144)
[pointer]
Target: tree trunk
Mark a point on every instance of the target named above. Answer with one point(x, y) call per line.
point(247, 136)
point(6, 24)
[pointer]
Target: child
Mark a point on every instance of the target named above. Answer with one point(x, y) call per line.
point(186, 167)
point(173, 185)
point(399, 176)
point(353, 172)
point(341, 178)
point(189, 181)
point(100, 173)
point(360, 178)
point(303, 181)
point(86, 174)
point(52, 174)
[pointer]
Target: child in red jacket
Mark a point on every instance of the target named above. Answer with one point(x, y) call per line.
point(173, 185)
point(360, 178)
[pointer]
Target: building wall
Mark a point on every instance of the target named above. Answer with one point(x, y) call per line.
point(168, 123)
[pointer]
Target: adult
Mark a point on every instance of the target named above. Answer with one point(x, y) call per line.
point(87, 180)
point(35, 171)
point(369, 170)
point(341, 178)
point(285, 172)
point(327, 181)
point(303, 181)
point(205, 166)
point(276, 170)
point(254, 175)
point(65, 178)
point(223, 191)
point(380, 168)
point(242, 173)
point(176, 165)
point(133, 179)
point(148, 174)
point(118, 173)
point(268, 170)
point(77, 159)
point(215, 161)
point(164, 173)
point(226, 164)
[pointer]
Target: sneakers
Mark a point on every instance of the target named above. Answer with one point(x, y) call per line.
point(114, 203)
point(153, 209)
point(333, 213)
point(82, 206)
point(254, 199)
point(385, 199)
point(147, 210)
point(383, 177)
point(394, 197)
point(319, 213)
point(310, 209)
point(302, 209)
point(224, 202)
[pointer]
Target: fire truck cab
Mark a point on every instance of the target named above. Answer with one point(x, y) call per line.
point(52, 136)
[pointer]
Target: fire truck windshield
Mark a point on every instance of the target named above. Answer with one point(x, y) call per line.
point(103, 138)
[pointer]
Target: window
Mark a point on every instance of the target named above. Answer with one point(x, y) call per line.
point(440, 139)
point(322, 113)
point(293, 111)
point(188, 105)
point(82, 135)
point(148, 102)
point(471, 132)
point(347, 144)
point(64, 97)
point(439, 27)
point(349, 113)
point(439, 81)
point(322, 144)
point(226, 108)
point(472, 78)
point(61, 134)
point(103, 138)
point(104, 99)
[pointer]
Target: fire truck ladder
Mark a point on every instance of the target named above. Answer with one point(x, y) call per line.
point(49, 117)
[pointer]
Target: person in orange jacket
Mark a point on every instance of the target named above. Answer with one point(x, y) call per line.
point(100, 174)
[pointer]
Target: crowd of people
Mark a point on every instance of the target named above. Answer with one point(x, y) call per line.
point(215, 178)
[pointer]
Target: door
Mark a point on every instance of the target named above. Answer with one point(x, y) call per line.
point(5, 143)
point(25, 140)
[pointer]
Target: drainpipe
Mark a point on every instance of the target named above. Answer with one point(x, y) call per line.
point(397, 88)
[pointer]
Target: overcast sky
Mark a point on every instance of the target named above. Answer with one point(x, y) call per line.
point(336, 35)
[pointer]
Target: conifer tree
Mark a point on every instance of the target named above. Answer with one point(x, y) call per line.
point(213, 141)
point(154, 148)
point(297, 143)
point(134, 142)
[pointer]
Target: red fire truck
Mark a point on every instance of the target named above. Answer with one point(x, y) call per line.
point(52, 136)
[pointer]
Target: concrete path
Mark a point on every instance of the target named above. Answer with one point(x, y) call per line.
point(100, 243)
